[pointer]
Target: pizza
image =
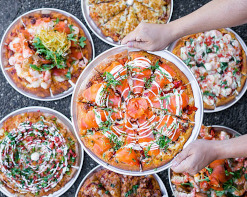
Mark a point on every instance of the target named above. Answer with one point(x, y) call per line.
point(38, 154)
point(105, 183)
point(225, 177)
point(135, 110)
point(117, 18)
point(45, 53)
point(218, 62)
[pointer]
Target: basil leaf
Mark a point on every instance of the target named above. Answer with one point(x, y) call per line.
point(68, 75)
point(81, 42)
point(209, 50)
point(207, 93)
point(223, 66)
point(187, 61)
point(43, 67)
point(216, 47)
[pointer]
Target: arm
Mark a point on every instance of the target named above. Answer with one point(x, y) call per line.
point(214, 15)
point(202, 152)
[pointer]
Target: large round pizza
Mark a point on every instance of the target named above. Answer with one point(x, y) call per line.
point(39, 155)
point(224, 177)
point(218, 61)
point(45, 53)
point(105, 183)
point(135, 111)
point(117, 18)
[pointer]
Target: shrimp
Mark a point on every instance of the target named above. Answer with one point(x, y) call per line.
point(47, 75)
point(239, 192)
point(240, 180)
point(83, 62)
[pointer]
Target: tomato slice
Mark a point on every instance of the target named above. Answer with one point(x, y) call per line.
point(59, 72)
point(62, 27)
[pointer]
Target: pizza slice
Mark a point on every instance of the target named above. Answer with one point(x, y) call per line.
point(111, 181)
point(164, 139)
point(131, 22)
point(93, 187)
point(148, 186)
point(115, 26)
point(129, 185)
point(159, 6)
point(90, 117)
point(140, 66)
point(103, 12)
point(145, 14)
point(115, 70)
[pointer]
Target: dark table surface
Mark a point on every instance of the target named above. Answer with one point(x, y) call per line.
point(235, 117)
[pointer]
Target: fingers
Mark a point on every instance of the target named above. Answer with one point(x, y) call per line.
point(182, 166)
point(180, 157)
point(138, 45)
point(129, 38)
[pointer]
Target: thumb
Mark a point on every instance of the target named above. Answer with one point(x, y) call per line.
point(180, 157)
point(138, 45)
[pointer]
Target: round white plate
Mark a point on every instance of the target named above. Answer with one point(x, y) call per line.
point(165, 54)
point(68, 124)
point(3, 59)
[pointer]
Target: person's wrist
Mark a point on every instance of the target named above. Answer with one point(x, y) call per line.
point(218, 149)
point(174, 31)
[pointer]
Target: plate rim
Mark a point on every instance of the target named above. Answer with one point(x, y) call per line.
point(12, 83)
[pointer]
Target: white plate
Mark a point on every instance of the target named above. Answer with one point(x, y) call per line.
point(216, 128)
point(98, 168)
point(68, 124)
point(165, 54)
point(3, 60)
point(239, 96)
point(96, 30)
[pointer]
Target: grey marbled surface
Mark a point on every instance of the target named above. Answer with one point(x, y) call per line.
point(234, 117)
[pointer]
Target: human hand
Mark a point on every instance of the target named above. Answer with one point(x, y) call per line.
point(150, 37)
point(196, 156)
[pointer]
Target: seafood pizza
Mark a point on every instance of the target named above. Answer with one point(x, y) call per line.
point(104, 183)
point(218, 61)
point(225, 177)
point(45, 53)
point(39, 155)
point(118, 18)
point(135, 110)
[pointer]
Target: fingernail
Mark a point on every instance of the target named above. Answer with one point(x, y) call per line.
point(130, 44)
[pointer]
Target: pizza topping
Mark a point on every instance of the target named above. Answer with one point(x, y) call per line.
point(225, 177)
point(147, 122)
point(214, 59)
point(107, 183)
point(34, 156)
point(46, 51)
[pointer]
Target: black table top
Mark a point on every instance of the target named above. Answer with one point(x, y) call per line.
point(235, 117)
